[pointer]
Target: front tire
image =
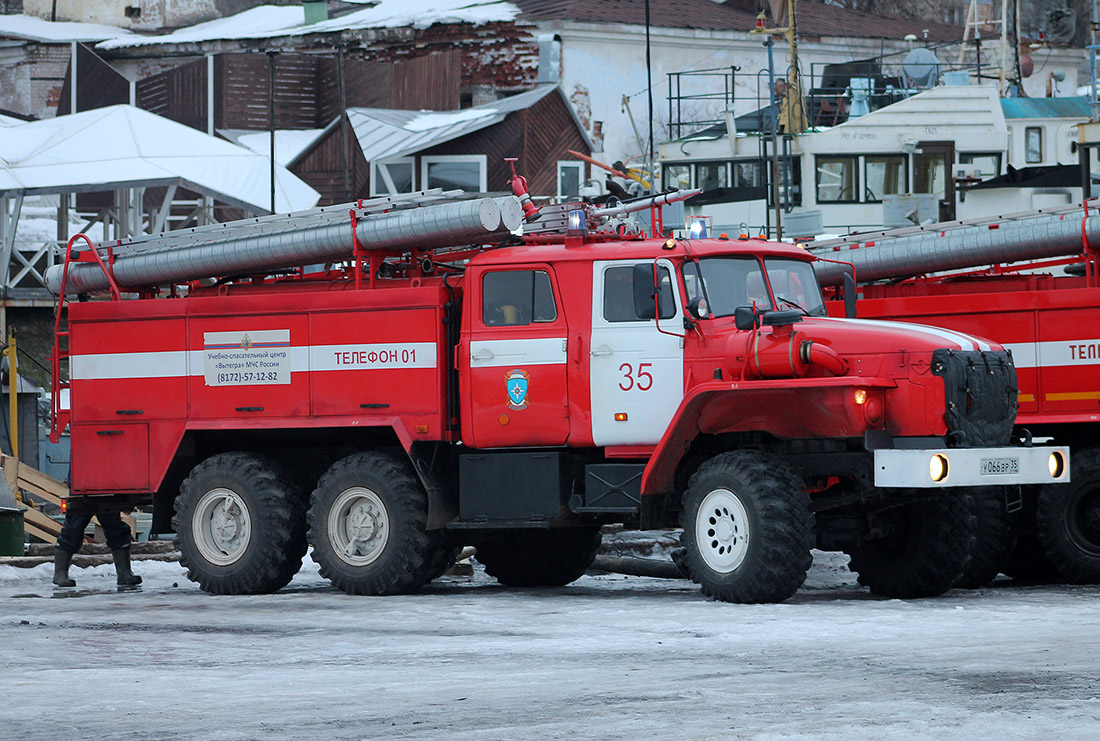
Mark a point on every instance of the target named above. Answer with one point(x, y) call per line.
point(1067, 520)
point(367, 526)
point(922, 552)
point(240, 525)
point(748, 529)
point(539, 558)
point(994, 537)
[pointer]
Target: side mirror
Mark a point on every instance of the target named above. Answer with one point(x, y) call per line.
point(645, 305)
point(745, 318)
point(849, 296)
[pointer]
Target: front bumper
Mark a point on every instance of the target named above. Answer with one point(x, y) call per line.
point(917, 469)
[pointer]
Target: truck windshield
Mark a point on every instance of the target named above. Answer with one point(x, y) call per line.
point(729, 282)
point(795, 285)
point(726, 283)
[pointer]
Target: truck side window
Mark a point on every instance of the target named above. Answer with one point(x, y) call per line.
point(517, 297)
point(618, 294)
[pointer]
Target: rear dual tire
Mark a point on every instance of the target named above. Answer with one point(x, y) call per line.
point(240, 524)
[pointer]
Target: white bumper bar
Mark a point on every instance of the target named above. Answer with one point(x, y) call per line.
point(929, 469)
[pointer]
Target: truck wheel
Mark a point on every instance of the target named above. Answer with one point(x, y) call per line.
point(240, 525)
point(1029, 563)
point(1067, 520)
point(367, 527)
point(539, 558)
point(748, 529)
point(923, 551)
point(994, 537)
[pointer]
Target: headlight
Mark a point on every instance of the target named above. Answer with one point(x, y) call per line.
point(937, 467)
point(1057, 464)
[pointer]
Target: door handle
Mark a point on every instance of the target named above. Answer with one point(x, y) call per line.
point(483, 354)
point(601, 351)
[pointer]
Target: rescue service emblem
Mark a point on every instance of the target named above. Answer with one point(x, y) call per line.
point(515, 382)
point(246, 342)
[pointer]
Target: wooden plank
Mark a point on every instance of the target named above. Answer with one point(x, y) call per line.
point(11, 472)
point(39, 525)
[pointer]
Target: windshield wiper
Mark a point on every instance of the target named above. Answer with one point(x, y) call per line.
point(792, 303)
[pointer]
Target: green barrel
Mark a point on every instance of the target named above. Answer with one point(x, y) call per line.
point(11, 532)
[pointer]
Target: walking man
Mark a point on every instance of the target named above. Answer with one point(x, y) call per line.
point(72, 536)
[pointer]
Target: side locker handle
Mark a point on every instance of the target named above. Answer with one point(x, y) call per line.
point(602, 351)
point(483, 354)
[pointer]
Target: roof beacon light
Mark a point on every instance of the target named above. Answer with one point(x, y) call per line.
point(576, 224)
point(699, 228)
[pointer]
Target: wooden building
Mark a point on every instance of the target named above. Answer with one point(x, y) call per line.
point(397, 151)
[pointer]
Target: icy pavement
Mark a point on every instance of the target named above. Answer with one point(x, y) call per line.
point(609, 657)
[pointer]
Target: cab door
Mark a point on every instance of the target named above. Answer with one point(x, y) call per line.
point(637, 363)
point(513, 360)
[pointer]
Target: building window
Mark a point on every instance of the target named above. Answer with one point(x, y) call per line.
point(884, 175)
point(988, 163)
point(517, 297)
point(570, 177)
point(677, 176)
point(464, 171)
point(391, 177)
point(711, 175)
point(836, 179)
point(1033, 144)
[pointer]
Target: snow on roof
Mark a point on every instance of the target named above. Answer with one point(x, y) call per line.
point(10, 120)
point(268, 21)
point(289, 143)
point(384, 133)
point(123, 146)
point(61, 32)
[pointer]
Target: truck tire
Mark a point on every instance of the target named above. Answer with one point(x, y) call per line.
point(923, 553)
point(748, 529)
point(1028, 562)
point(539, 558)
point(367, 521)
point(1067, 520)
point(240, 525)
point(994, 537)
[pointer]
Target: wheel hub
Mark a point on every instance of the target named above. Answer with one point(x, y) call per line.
point(358, 526)
point(722, 531)
point(222, 526)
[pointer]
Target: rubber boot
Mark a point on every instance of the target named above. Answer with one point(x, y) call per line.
point(61, 562)
point(126, 577)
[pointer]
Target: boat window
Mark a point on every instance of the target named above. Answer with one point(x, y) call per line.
point(1033, 144)
point(836, 179)
point(711, 175)
point(988, 163)
point(677, 176)
point(884, 175)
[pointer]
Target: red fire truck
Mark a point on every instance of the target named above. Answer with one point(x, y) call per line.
point(1036, 291)
point(390, 380)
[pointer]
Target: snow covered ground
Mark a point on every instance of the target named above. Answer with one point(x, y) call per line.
point(609, 657)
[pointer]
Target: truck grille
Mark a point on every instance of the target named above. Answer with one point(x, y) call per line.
point(981, 395)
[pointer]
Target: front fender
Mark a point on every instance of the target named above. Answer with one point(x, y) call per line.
point(793, 409)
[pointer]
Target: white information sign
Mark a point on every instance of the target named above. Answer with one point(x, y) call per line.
point(258, 357)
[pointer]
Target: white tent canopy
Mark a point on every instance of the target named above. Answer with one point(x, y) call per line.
point(125, 147)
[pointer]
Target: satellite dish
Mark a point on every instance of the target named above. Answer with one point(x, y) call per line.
point(921, 68)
